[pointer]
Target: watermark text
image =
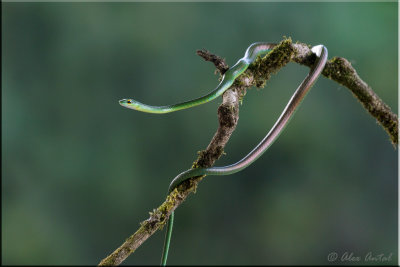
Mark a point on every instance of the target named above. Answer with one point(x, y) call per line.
point(353, 257)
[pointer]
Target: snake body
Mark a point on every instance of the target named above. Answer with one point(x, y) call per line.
point(229, 77)
point(251, 54)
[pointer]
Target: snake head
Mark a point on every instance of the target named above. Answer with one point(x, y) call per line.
point(130, 103)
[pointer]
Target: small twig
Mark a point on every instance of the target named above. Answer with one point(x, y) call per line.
point(219, 62)
point(337, 69)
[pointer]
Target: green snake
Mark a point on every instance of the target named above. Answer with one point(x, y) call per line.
point(229, 77)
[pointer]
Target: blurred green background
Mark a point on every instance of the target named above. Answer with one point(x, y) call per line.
point(80, 172)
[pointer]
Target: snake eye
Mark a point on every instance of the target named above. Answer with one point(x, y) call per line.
point(129, 101)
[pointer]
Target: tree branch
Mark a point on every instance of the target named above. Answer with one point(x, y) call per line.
point(337, 69)
point(340, 70)
point(219, 62)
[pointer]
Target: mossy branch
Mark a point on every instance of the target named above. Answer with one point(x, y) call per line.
point(340, 70)
point(337, 69)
